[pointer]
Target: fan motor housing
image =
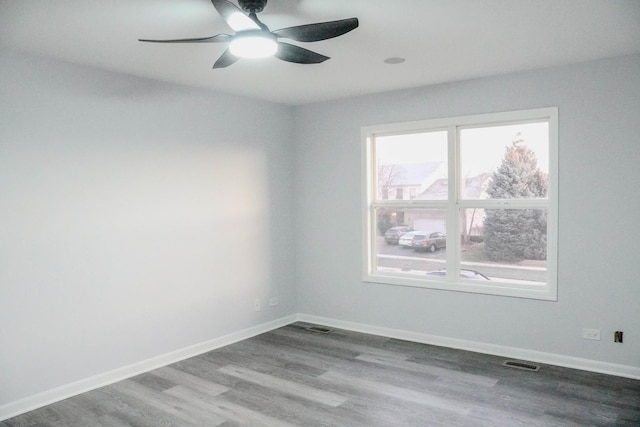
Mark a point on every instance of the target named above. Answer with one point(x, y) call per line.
point(255, 6)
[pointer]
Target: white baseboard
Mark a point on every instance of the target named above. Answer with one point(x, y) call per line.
point(493, 349)
point(68, 390)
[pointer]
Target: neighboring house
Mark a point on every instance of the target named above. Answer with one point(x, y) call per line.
point(428, 181)
point(475, 187)
point(406, 181)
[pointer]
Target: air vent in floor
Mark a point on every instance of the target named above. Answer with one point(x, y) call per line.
point(521, 365)
point(318, 329)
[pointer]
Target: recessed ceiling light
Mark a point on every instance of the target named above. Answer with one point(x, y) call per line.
point(395, 60)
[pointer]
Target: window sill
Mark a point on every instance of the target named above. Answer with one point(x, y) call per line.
point(543, 292)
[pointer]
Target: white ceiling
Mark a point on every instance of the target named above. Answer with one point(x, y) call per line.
point(441, 40)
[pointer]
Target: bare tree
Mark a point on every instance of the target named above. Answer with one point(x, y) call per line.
point(388, 177)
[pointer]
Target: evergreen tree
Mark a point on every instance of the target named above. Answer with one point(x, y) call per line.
point(516, 234)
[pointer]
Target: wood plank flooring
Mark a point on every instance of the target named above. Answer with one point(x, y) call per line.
point(294, 377)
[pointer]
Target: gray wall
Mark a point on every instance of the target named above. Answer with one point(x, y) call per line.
point(136, 218)
point(599, 157)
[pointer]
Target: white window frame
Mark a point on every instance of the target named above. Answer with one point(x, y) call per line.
point(451, 281)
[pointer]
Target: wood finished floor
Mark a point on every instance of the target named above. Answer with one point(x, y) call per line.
point(294, 377)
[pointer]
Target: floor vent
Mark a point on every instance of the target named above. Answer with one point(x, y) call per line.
point(521, 365)
point(318, 329)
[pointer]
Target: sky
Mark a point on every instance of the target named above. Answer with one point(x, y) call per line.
point(481, 148)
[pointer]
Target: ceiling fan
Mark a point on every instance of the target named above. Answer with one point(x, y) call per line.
point(253, 39)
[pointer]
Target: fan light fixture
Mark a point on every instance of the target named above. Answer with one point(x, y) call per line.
point(253, 39)
point(253, 44)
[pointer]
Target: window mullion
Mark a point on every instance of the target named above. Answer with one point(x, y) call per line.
point(504, 203)
point(453, 243)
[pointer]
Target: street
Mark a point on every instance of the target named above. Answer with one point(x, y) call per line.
point(399, 258)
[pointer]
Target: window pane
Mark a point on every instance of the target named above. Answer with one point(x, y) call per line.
point(487, 179)
point(505, 245)
point(412, 166)
point(410, 241)
point(505, 162)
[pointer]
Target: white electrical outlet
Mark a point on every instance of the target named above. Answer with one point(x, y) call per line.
point(256, 304)
point(274, 301)
point(591, 334)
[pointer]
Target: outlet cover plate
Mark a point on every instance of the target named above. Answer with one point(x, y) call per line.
point(591, 334)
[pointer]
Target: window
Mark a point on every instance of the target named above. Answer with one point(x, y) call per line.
point(482, 211)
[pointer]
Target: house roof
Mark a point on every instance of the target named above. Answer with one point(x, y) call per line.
point(413, 174)
point(474, 187)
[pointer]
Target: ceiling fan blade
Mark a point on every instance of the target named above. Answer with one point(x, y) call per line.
point(218, 38)
point(319, 31)
point(234, 17)
point(299, 55)
point(226, 59)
